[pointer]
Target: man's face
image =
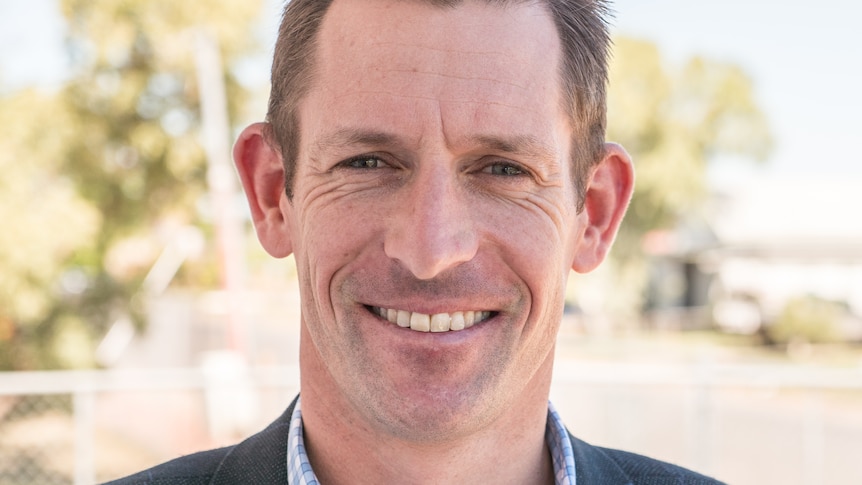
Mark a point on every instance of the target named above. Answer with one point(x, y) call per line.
point(433, 178)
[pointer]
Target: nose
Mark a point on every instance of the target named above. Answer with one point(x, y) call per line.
point(433, 229)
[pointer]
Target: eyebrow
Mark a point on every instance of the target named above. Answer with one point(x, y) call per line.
point(348, 137)
point(520, 145)
point(527, 146)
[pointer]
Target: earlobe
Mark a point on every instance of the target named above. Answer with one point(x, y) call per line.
point(607, 198)
point(260, 168)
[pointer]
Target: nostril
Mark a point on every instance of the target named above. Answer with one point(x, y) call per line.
point(427, 252)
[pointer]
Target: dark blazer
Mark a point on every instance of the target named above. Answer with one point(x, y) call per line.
point(262, 460)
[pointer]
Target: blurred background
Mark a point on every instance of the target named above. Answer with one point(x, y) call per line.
point(140, 319)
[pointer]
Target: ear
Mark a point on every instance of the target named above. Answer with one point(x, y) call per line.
point(608, 194)
point(262, 173)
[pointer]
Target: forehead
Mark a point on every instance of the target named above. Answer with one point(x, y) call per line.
point(470, 64)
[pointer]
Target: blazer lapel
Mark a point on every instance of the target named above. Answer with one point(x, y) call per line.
point(594, 467)
point(261, 459)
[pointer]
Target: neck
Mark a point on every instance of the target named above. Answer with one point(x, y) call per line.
point(343, 447)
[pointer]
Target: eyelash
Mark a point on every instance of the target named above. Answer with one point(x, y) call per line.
point(505, 169)
point(359, 162)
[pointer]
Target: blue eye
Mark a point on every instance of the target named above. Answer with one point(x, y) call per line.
point(503, 169)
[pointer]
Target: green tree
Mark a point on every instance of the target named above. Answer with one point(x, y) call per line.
point(45, 220)
point(118, 151)
point(674, 121)
point(806, 320)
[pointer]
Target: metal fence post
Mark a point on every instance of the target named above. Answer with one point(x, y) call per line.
point(813, 442)
point(704, 419)
point(84, 408)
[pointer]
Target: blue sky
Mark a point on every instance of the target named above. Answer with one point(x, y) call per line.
point(805, 59)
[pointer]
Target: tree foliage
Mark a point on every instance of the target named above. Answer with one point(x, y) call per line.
point(45, 219)
point(674, 122)
point(806, 320)
point(96, 172)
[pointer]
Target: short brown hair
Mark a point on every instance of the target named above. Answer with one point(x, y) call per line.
point(585, 41)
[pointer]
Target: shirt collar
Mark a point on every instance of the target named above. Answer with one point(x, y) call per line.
point(562, 456)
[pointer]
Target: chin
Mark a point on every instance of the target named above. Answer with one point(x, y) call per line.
point(422, 412)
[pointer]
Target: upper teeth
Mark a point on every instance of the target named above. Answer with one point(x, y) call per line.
point(439, 322)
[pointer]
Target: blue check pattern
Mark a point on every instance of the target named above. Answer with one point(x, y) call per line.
point(562, 456)
point(298, 468)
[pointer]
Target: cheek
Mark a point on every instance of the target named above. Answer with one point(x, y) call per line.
point(329, 243)
point(334, 236)
point(537, 242)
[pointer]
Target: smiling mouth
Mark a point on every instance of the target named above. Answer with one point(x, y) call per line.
point(439, 322)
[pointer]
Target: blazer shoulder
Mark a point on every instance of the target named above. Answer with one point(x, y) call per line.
point(595, 464)
point(644, 470)
point(195, 469)
point(260, 459)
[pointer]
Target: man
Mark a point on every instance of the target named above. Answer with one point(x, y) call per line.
point(436, 168)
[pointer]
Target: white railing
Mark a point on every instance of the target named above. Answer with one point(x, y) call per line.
point(631, 398)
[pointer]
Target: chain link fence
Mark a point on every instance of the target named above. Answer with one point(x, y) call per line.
point(89, 427)
point(33, 429)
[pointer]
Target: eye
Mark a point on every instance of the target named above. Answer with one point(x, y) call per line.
point(365, 161)
point(504, 169)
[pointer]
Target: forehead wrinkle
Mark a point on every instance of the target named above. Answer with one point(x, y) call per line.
point(439, 99)
point(444, 50)
point(463, 77)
